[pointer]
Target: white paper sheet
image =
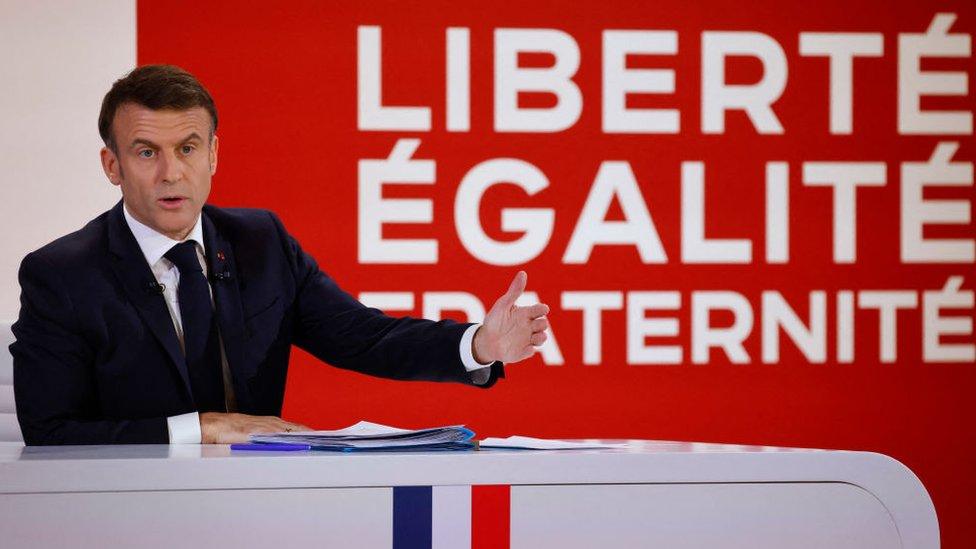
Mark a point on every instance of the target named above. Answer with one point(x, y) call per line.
point(529, 443)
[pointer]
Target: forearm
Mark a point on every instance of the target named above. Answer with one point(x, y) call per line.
point(101, 431)
point(397, 348)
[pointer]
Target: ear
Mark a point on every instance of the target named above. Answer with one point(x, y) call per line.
point(213, 155)
point(110, 163)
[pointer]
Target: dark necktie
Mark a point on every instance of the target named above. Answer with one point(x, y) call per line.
point(201, 344)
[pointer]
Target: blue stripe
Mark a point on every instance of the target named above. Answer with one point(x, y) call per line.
point(412, 511)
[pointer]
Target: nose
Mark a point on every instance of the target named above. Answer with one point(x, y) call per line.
point(170, 167)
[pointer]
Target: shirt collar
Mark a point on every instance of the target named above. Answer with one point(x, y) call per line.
point(153, 243)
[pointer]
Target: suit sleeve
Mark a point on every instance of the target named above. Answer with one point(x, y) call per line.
point(338, 329)
point(54, 384)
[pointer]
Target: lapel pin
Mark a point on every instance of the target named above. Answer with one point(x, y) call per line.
point(221, 256)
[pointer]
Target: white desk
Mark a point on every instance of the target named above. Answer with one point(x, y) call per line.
point(652, 494)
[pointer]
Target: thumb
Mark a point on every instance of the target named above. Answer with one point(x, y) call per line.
point(515, 289)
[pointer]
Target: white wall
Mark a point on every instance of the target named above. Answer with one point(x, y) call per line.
point(57, 60)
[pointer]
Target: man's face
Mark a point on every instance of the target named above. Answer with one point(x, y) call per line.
point(164, 164)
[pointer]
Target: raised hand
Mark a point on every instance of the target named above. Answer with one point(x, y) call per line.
point(511, 333)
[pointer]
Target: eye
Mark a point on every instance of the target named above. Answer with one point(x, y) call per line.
point(146, 153)
point(187, 149)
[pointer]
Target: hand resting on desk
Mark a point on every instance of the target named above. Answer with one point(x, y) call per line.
point(223, 428)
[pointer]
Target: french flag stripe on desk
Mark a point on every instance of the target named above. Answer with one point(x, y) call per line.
point(451, 525)
point(490, 516)
point(441, 517)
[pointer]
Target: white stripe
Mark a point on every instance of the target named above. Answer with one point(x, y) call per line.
point(451, 517)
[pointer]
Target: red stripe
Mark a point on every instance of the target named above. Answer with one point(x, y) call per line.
point(490, 516)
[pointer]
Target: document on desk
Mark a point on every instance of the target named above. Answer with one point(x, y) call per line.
point(366, 436)
point(529, 443)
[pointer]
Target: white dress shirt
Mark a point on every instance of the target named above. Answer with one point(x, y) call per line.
point(185, 428)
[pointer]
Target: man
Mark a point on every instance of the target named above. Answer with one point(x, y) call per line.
point(169, 320)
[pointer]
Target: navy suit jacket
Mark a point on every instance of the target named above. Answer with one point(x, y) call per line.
point(97, 359)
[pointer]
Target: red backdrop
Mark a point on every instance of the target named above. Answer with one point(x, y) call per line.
point(285, 81)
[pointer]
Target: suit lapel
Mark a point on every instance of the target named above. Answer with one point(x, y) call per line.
point(137, 281)
point(225, 281)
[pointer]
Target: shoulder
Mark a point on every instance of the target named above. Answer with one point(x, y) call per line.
point(74, 250)
point(253, 231)
point(244, 222)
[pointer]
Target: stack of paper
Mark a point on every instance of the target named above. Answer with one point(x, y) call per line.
point(366, 436)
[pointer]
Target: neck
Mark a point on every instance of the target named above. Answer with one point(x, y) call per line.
point(178, 235)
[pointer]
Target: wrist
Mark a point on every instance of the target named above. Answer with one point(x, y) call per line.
point(207, 427)
point(480, 347)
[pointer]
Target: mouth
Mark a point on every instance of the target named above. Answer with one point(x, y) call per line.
point(171, 202)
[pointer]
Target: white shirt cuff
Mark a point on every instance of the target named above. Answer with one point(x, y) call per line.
point(184, 429)
point(467, 350)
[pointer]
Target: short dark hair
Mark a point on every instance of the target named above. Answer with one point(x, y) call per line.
point(155, 87)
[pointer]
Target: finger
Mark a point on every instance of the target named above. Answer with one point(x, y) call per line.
point(539, 324)
point(535, 311)
point(537, 338)
point(272, 424)
point(291, 426)
point(515, 289)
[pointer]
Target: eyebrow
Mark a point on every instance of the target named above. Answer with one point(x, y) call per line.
point(148, 143)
